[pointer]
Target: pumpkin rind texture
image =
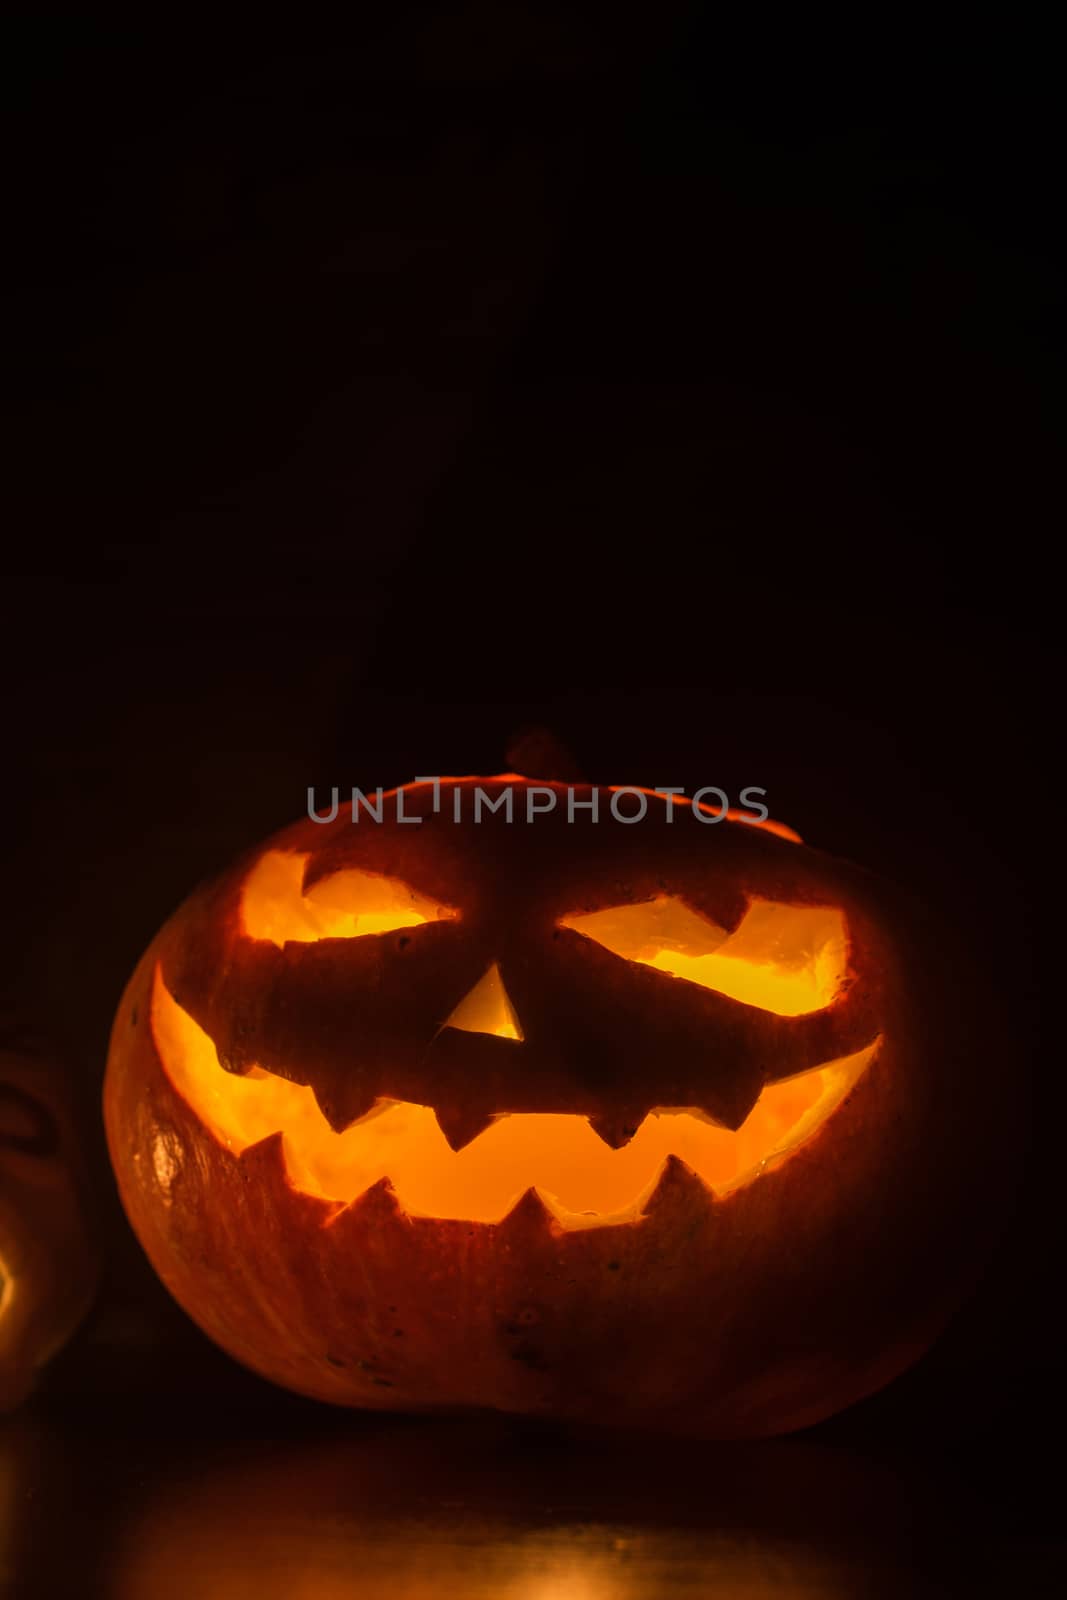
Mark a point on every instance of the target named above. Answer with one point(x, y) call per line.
point(724, 1309)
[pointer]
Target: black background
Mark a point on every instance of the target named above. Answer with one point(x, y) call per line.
point(693, 394)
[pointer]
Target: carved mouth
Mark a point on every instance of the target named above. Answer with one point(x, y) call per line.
point(582, 1180)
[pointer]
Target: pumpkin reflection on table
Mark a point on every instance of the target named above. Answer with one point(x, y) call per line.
point(413, 1509)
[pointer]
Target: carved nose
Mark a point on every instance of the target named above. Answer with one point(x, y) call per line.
point(487, 1008)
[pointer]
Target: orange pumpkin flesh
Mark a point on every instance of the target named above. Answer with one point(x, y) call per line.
point(600, 1121)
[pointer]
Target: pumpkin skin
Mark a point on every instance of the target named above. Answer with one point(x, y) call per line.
point(754, 1310)
point(48, 1250)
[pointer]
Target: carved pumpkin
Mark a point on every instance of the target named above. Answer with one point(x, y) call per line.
point(647, 1123)
point(48, 1261)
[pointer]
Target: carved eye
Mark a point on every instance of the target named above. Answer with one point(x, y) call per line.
point(346, 905)
point(784, 959)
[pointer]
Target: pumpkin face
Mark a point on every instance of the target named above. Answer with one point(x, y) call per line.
point(574, 1115)
point(48, 1264)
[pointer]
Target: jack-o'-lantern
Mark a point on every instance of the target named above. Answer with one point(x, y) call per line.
point(48, 1259)
point(532, 1106)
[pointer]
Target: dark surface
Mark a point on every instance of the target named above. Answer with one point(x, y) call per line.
point(695, 395)
point(364, 1506)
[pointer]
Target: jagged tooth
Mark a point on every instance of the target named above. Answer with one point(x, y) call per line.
point(617, 1128)
point(344, 1108)
point(265, 1167)
point(679, 1193)
point(378, 1204)
point(529, 1217)
point(460, 1125)
point(266, 1156)
point(233, 1059)
point(733, 1103)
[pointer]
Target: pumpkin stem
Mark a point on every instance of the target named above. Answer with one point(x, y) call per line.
point(537, 753)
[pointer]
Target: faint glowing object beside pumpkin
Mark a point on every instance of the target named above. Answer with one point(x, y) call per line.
point(48, 1262)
